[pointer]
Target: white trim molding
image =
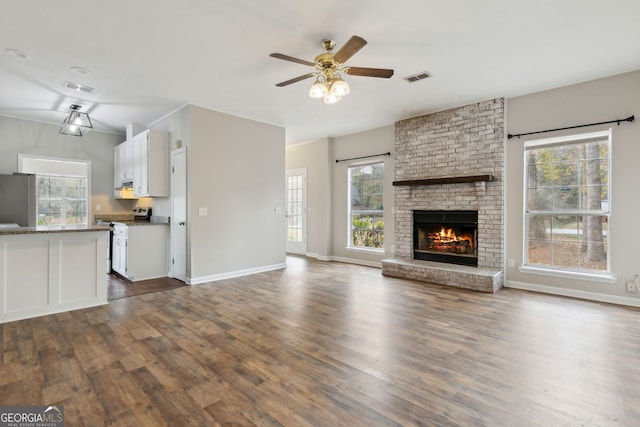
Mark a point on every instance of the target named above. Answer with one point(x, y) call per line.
point(574, 293)
point(366, 263)
point(233, 274)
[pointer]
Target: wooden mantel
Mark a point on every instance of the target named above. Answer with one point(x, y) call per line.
point(447, 180)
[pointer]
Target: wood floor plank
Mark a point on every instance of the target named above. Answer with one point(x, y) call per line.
point(324, 343)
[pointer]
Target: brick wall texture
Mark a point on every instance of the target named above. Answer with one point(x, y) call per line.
point(459, 142)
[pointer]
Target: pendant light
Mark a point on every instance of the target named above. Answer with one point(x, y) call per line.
point(77, 123)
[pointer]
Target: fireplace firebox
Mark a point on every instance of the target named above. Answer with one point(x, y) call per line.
point(446, 236)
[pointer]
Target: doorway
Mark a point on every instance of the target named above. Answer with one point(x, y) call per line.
point(296, 202)
point(178, 265)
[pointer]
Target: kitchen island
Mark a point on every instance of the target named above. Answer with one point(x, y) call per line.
point(52, 270)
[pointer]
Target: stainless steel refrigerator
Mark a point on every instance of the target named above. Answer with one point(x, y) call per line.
point(18, 199)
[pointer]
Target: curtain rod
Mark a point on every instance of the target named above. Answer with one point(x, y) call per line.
point(388, 153)
point(628, 119)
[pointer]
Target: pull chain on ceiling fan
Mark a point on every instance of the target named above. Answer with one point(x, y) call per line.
point(329, 84)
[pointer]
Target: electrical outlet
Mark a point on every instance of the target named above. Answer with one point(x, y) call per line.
point(631, 286)
point(511, 262)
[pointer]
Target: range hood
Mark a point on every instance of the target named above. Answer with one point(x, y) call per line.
point(125, 191)
point(125, 185)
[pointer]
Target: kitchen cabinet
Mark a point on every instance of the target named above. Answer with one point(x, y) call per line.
point(151, 164)
point(140, 251)
point(119, 249)
point(123, 163)
point(123, 170)
point(51, 272)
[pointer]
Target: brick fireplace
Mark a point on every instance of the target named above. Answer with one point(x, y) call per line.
point(451, 161)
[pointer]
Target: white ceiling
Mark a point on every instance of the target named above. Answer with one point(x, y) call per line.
point(150, 57)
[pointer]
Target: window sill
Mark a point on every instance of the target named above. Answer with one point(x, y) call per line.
point(370, 250)
point(592, 277)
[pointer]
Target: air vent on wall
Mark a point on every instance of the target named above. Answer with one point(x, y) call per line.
point(78, 87)
point(416, 77)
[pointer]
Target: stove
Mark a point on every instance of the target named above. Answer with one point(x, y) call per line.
point(142, 214)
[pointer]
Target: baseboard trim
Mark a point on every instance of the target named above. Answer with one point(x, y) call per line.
point(366, 263)
point(233, 274)
point(318, 256)
point(573, 293)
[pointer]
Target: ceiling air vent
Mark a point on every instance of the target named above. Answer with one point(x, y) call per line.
point(78, 87)
point(416, 77)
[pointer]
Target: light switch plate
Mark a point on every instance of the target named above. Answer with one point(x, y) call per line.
point(203, 211)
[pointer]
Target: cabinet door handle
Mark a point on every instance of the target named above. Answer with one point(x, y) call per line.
point(181, 223)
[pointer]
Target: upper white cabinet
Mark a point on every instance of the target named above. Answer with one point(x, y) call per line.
point(143, 160)
point(123, 158)
point(151, 164)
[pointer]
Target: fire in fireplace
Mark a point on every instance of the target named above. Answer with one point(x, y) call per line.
point(446, 236)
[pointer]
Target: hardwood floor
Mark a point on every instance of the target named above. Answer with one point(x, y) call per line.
point(119, 287)
point(329, 344)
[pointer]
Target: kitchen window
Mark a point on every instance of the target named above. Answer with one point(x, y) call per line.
point(62, 188)
point(366, 208)
point(62, 200)
point(567, 204)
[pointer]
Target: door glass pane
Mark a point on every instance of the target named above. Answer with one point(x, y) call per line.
point(294, 208)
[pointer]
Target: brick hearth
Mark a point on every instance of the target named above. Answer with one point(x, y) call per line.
point(464, 141)
point(460, 276)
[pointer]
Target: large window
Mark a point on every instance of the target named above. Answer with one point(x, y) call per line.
point(366, 209)
point(63, 189)
point(62, 200)
point(567, 203)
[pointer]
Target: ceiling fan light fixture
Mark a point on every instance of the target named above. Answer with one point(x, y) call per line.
point(318, 90)
point(332, 98)
point(340, 87)
point(329, 84)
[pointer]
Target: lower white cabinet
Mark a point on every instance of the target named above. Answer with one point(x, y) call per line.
point(119, 251)
point(51, 272)
point(140, 251)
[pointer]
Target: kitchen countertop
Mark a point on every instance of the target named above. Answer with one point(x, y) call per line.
point(128, 220)
point(60, 229)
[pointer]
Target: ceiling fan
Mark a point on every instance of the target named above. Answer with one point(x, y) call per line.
point(329, 84)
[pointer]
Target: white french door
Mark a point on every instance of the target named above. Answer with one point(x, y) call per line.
point(296, 199)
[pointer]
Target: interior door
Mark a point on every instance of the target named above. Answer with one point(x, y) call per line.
point(179, 214)
point(296, 202)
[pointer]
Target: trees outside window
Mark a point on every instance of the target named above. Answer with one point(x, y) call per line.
point(366, 209)
point(63, 187)
point(62, 201)
point(567, 202)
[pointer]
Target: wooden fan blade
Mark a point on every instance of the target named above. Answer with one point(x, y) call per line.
point(295, 80)
point(350, 48)
point(292, 59)
point(369, 72)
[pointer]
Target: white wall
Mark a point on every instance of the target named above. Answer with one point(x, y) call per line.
point(328, 193)
point(18, 136)
point(315, 156)
point(236, 171)
point(595, 101)
point(375, 141)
